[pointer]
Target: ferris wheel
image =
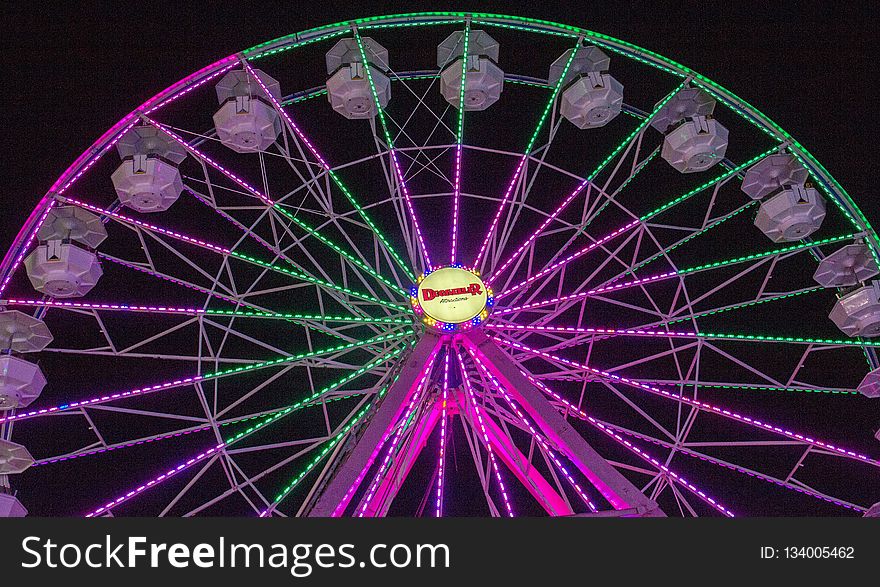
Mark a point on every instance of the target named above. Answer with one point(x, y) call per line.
point(442, 264)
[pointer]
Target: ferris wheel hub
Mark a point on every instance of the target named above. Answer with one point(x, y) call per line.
point(452, 298)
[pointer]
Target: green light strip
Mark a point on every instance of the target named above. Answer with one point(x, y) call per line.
point(315, 396)
point(708, 184)
point(745, 305)
point(798, 339)
point(301, 356)
point(754, 256)
point(316, 281)
point(641, 126)
point(366, 217)
point(329, 447)
point(355, 261)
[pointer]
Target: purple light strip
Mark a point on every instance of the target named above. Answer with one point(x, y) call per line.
point(540, 229)
point(105, 449)
point(442, 456)
point(398, 434)
point(173, 280)
point(314, 151)
point(201, 156)
point(151, 227)
point(89, 157)
point(538, 437)
point(570, 257)
point(501, 206)
point(340, 507)
point(469, 392)
point(24, 250)
point(53, 303)
point(586, 294)
point(191, 379)
point(697, 404)
point(456, 198)
point(642, 454)
point(170, 473)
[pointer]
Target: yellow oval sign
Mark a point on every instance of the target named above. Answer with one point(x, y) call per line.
point(452, 295)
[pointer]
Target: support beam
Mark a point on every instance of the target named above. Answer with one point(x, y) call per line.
point(619, 491)
point(335, 496)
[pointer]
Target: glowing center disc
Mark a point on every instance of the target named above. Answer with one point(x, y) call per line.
point(452, 295)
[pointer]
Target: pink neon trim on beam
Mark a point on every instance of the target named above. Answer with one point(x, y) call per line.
point(586, 294)
point(314, 151)
point(571, 257)
point(456, 197)
point(170, 473)
point(645, 456)
point(106, 449)
point(541, 440)
point(173, 280)
point(695, 403)
point(398, 433)
point(469, 393)
point(501, 206)
point(147, 226)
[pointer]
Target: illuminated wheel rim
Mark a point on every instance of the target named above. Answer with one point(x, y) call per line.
point(240, 344)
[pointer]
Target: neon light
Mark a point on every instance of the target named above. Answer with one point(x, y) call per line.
point(442, 455)
point(494, 224)
point(540, 439)
point(469, 393)
point(390, 142)
point(681, 334)
point(698, 404)
point(586, 182)
point(459, 137)
point(679, 273)
point(197, 378)
point(408, 413)
point(52, 303)
point(224, 444)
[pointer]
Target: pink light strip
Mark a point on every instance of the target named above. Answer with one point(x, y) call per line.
point(106, 449)
point(151, 227)
point(170, 473)
point(541, 440)
point(571, 257)
point(53, 303)
point(341, 506)
point(697, 404)
point(105, 142)
point(540, 229)
point(173, 280)
point(586, 294)
point(642, 454)
point(469, 392)
point(442, 456)
point(184, 381)
point(398, 434)
point(314, 151)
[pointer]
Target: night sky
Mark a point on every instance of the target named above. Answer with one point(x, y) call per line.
point(72, 72)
